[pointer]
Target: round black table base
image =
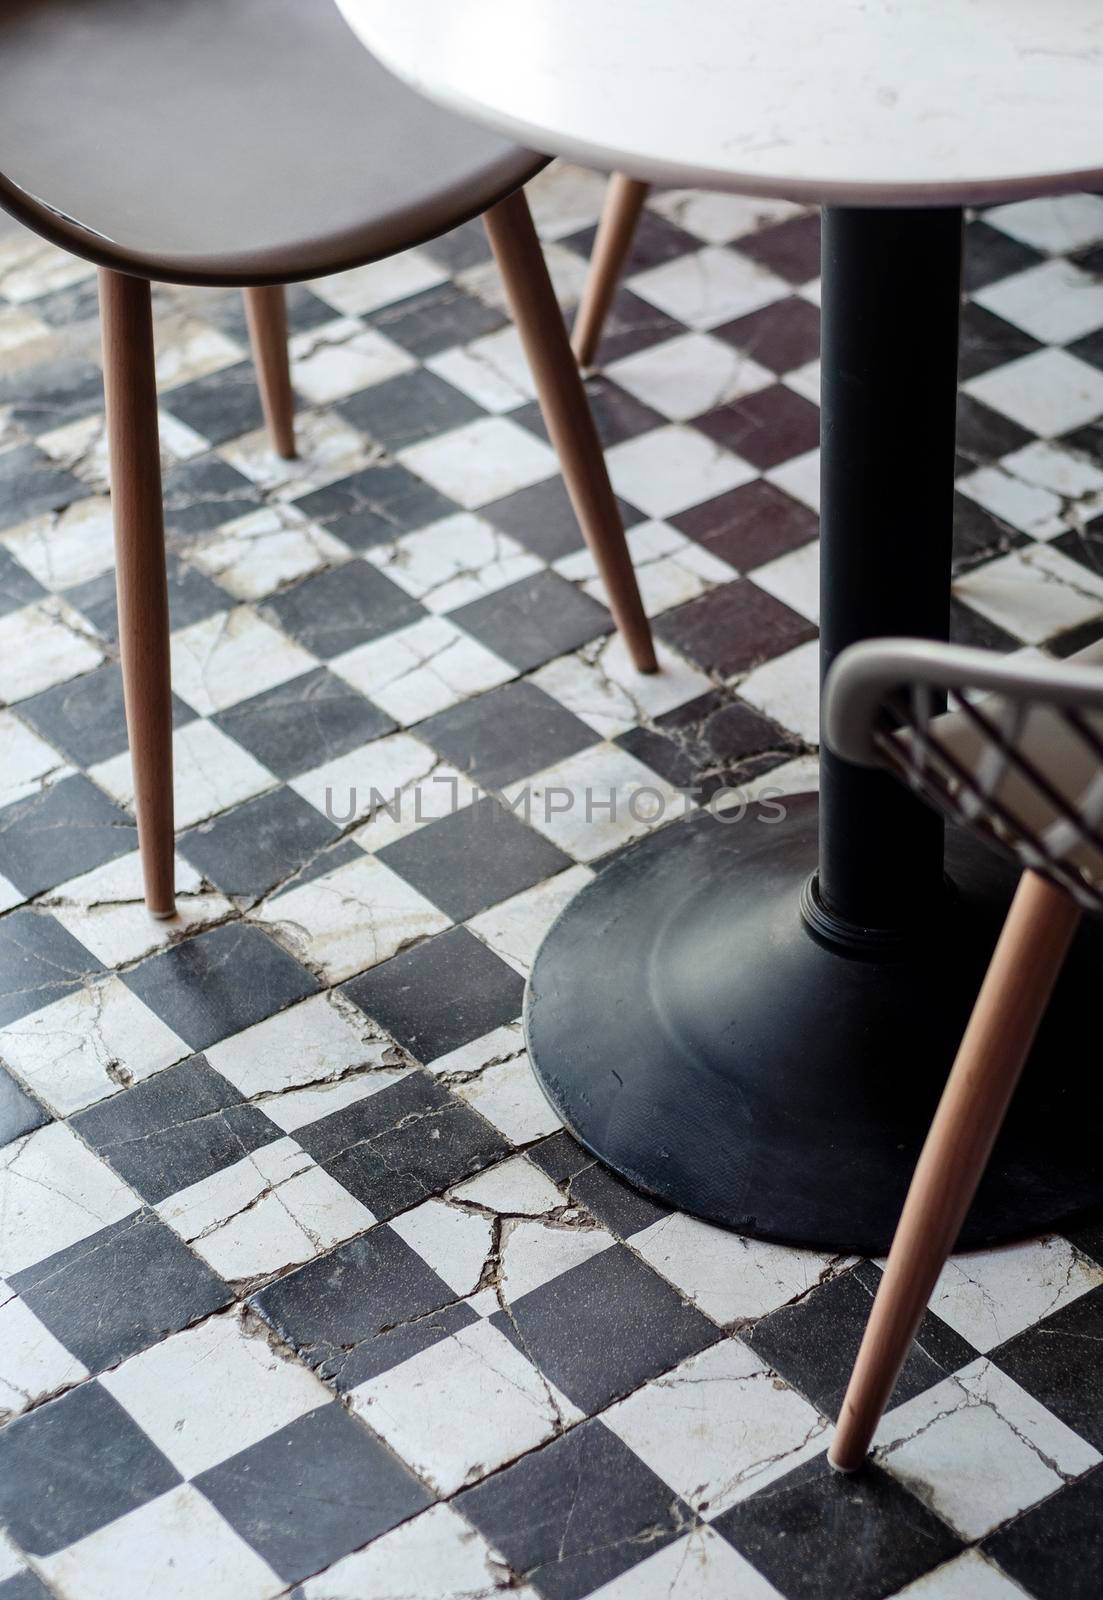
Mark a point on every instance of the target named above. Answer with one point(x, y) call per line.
point(697, 1038)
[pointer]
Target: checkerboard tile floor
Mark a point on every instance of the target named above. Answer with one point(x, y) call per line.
point(305, 1289)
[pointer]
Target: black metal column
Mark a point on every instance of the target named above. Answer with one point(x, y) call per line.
point(891, 296)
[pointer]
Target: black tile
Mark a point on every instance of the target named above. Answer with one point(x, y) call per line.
point(203, 494)
point(402, 1144)
point(24, 1586)
point(30, 484)
point(473, 858)
point(749, 526)
point(50, 394)
point(529, 622)
point(192, 598)
point(1056, 1550)
point(61, 831)
point(561, 1157)
point(987, 341)
point(120, 1290)
point(375, 505)
point(734, 627)
point(979, 536)
point(991, 254)
point(814, 1341)
point(441, 994)
point(307, 1495)
point(782, 336)
point(1083, 544)
point(175, 1129)
point(506, 734)
point(466, 246)
point(301, 724)
point(39, 963)
point(20, 1112)
point(436, 320)
point(1089, 348)
point(250, 849)
point(226, 310)
point(407, 409)
point(620, 1208)
point(79, 302)
point(791, 249)
point(817, 1534)
point(765, 428)
point(617, 414)
point(655, 240)
point(604, 1327)
point(1075, 639)
point(346, 606)
point(1088, 1237)
point(1088, 440)
point(364, 1308)
point(543, 520)
point(632, 324)
point(17, 587)
point(573, 1516)
point(219, 982)
point(220, 406)
point(85, 718)
point(72, 1466)
point(983, 434)
point(1058, 1362)
point(969, 627)
point(711, 743)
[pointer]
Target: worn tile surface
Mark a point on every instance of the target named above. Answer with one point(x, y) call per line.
point(304, 1288)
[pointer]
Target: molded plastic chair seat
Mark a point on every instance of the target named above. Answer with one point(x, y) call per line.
point(227, 141)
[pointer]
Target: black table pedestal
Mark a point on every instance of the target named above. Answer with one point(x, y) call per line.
point(753, 1020)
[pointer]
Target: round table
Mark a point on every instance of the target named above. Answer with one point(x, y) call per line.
point(754, 1023)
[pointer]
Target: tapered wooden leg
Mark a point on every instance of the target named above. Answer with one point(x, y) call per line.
point(567, 414)
point(1011, 1004)
point(624, 200)
point(131, 398)
point(266, 311)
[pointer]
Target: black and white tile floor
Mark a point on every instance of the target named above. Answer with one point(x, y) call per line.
point(304, 1284)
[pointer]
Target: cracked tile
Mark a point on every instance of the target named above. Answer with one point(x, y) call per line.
point(105, 910)
point(420, 670)
point(258, 553)
point(41, 645)
point(34, 1365)
point(54, 1192)
point(435, 1556)
point(990, 1295)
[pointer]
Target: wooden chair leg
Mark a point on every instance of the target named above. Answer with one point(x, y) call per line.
point(567, 414)
point(131, 400)
point(266, 312)
point(624, 200)
point(1011, 1004)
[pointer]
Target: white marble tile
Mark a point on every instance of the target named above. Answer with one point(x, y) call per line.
point(33, 1364)
point(435, 1556)
point(323, 1038)
point(1064, 472)
point(730, 1277)
point(595, 801)
point(482, 461)
point(794, 579)
point(788, 690)
point(10, 896)
point(66, 547)
point(566, 269)
point(463, 1407)
point(508, 1095)
point(1026, 506)
point(211, 772)
point(512, 1188)
point(515, 928)
point(81, 448)
point(29, 267)
point(967, 1577)
point(1052, 223)
point(805, 381)
point(1049, 391)
point(1034, 593)
point(719, 1427)
point(603, 689)
point(327, 448)
point(188, 348)
point(800, 477)
point(565, 198)
point(172, 1548)
point(43, 644)
point(978, 1449)
point(720, 218)
point(441, 793)
point(341, 358)
point(389, 773)
point(1055, 301)
point(689, 374)
point(104, 909)
point(296, 1108)
point(379, 283)
point(232, 656)
point(88, 1045)
point(698, 1566)
point(19, 328)
point(456, 1243)
point(254, 555)
point(670, 569)
point(29, 763)
point(422, 669)
point(764, 793)
point(450, 562)
point(54, 1191)
point(351, 919)
point(271, 1210)
point(491, 370)
point(670, 468)
point(204, 1394)
point(534, 1253)
point(709, 287)
point(991, 1295)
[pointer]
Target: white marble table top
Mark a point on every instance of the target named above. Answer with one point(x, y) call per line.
point(845, 101)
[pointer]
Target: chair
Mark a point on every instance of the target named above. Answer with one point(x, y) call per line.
point(1018, 758)
point(253, 143)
